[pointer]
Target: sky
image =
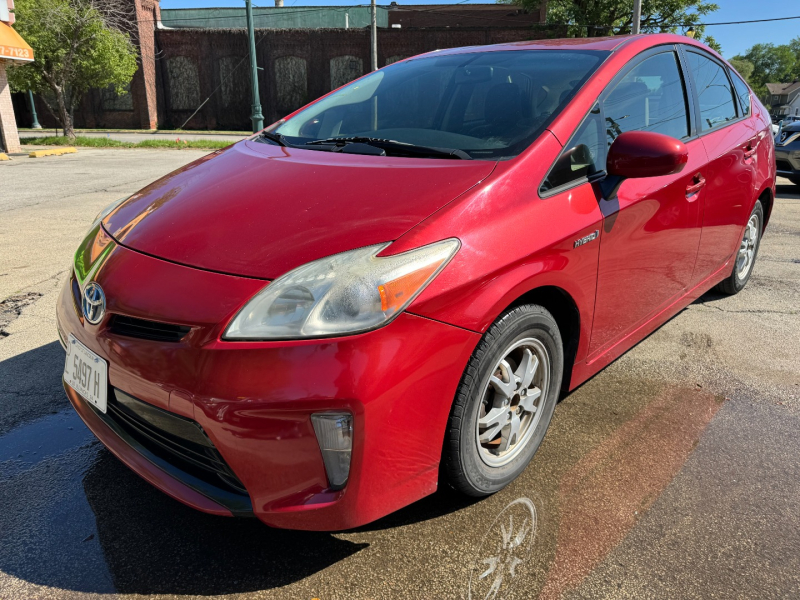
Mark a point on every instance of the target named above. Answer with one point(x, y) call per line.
point(734, 39)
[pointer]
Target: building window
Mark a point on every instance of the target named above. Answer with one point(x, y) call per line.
point(345, 69)
point(291, 83)
point(234, 84)
point(184, 83)
point(110, 100)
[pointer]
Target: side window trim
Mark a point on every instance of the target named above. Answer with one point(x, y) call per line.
point(593, 112)
point(629, 66)
point(739, 108)
point(685, 49)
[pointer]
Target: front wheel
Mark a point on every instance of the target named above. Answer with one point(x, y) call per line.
point(746, 255)
point(505, 401)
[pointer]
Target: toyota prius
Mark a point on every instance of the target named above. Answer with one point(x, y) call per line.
point(390, 289)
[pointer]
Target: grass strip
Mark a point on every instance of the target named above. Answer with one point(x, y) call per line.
point(99, 142)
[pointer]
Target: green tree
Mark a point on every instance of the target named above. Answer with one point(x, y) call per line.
point(773, 64)
point(78, 45)
point(744, 66)
point(593, 18)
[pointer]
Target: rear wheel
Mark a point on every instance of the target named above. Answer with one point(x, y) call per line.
point(746, 255)
point(505, 401)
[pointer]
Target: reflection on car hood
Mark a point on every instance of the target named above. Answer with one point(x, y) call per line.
point(259, 210)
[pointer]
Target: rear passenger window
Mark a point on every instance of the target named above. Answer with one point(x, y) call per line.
point(743, 93)
point(583, 156)
point(651, 97)
point(713, 91)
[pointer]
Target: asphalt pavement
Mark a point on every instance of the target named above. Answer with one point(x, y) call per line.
point(674, 473)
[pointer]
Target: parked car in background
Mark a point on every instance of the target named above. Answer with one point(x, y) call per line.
point(393, 287)
point(787, 151)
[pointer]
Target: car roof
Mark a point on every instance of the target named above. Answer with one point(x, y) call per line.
point(609, 43)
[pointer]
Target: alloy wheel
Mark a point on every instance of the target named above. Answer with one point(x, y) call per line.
point(512, 401)
point(747, 249)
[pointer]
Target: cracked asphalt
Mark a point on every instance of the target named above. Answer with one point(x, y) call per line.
point(674, 473)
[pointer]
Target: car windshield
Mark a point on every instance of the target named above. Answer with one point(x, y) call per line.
point(491, 105)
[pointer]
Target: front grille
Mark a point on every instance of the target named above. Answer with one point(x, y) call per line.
point(147, 330)
point(783, 165)
point(178, 441)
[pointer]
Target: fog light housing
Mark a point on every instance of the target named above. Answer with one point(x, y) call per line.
point(335, 437)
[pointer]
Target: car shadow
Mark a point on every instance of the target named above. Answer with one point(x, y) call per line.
point(98, 527)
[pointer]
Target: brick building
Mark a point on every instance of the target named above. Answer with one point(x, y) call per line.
point(198, 58)
point(13, 51)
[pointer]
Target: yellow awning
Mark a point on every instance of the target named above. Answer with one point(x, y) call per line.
point(12, 46)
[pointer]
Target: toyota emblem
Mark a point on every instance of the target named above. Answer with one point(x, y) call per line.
point(93, 303)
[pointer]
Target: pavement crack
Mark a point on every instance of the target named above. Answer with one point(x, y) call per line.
point(11, 308)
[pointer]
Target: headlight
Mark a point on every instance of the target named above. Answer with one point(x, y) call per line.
point(107, 211)
point(341, 294)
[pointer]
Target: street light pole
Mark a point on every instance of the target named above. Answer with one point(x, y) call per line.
point(35, 124)
point(374, 36)
point(637, 16)
point(255, 116)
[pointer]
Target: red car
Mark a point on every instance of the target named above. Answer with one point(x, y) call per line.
point(392, 288)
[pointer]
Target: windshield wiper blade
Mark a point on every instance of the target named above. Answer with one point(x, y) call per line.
point(274, 137)
point(394, 146)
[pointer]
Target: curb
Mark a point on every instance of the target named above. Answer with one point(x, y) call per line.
point(4, 156)
point(53, 152)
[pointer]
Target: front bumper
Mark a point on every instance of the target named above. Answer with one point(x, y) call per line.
point(787, 159)
point(254, 399)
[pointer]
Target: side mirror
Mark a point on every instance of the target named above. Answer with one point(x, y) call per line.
point(642, 154)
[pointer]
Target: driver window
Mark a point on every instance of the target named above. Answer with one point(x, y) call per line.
point(650, 97)
point(582, 156)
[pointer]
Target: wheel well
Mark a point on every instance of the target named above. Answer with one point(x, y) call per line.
point(766, 202)
point(564, 310)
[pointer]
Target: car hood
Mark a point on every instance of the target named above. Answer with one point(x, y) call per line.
point(259, 210)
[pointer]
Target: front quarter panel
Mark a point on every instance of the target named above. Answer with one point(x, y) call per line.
point(513, 241)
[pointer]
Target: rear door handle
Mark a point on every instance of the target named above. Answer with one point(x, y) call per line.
point(750, 151)
point(699, 183)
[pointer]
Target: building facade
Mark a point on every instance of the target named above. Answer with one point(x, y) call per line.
point(784, 98)
point(13, 51)
point(194, 70)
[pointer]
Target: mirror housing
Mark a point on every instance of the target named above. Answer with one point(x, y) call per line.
point(636, 154)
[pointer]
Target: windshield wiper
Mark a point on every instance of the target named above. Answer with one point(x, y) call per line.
point(277, 138)
point(393, 146)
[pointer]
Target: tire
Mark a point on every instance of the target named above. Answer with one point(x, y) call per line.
point(479, 468)
point(751, 241)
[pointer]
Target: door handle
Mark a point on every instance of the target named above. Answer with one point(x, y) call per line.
point(750, 151)
point(699, 183)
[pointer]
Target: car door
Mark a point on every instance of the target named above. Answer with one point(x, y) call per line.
point(651, 229)
point(731, 143)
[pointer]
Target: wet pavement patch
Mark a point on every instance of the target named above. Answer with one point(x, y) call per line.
point(11, 308)
point(38, 440)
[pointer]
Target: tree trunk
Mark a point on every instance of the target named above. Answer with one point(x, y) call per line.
point(63, 112)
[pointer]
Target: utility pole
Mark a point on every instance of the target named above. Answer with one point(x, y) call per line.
point(374, 36)
point(35, 124)
point(637, 16)
point(255, 116)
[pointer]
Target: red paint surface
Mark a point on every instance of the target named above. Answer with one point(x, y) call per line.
point(255, 211)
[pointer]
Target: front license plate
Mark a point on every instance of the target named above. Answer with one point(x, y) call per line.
point(87, 374)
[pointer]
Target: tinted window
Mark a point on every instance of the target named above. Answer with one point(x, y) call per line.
point(583, 156)
point(743, 93)
point(713, 91)
point(650, 97)
point(489, 104)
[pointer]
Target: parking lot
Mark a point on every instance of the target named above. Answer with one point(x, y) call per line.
point(674, 473)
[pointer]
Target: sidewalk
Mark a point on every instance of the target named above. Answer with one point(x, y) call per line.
point(134, 136)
